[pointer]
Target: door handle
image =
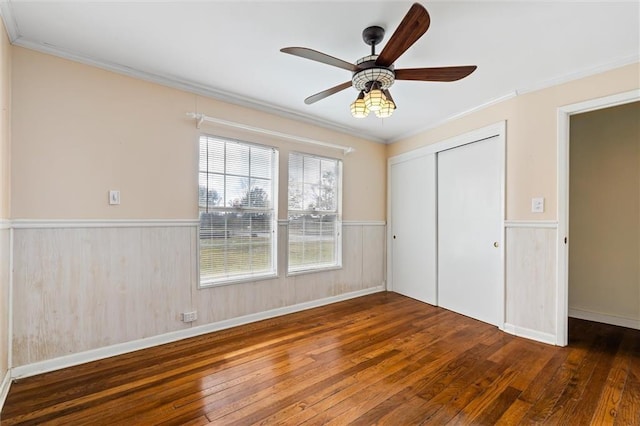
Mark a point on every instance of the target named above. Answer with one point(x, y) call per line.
point(495, 244)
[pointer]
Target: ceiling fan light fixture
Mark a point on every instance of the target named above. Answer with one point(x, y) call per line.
point(387, 110)
point(375, 99)
point(359, 108)
point(374, 74)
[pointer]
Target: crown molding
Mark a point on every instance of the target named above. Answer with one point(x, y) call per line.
point(192, 87)
point(577, 75)
point(587, 72)
point(13, 31)
point(10, 23)
point(455, 116)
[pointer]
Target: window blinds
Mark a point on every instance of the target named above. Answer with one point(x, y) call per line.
point(314, 212)
point(236, 187)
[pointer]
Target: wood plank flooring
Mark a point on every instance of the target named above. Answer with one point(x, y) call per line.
point(381, 359)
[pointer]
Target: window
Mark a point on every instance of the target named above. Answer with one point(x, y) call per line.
point(314, 213)
point(237, 184)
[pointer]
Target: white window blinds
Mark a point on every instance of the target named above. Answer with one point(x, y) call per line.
point(314, 213)
point(236, 197)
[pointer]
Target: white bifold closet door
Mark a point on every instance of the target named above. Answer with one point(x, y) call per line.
point(470, 230)
point(413, 228)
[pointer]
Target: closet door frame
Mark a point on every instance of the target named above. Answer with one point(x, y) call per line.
point(494, 130)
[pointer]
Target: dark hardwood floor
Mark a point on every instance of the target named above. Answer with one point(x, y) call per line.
point(379, 359)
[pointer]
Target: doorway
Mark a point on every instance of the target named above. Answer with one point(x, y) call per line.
point(564, 239)
point(604, 215)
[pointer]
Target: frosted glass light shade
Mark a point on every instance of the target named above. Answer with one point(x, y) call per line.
point(375, 100)
point(387, 110)
point(358, 107)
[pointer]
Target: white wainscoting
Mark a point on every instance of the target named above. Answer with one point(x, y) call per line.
point(76, 289)
point(88, 292)
point(531, 279)
point(5, 308)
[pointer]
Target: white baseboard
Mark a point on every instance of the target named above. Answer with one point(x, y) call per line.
point(528, 333)
point(4, 388)
point(121, 348)
point(604, 318)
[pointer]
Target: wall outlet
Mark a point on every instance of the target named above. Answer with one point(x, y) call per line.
point(189, 316)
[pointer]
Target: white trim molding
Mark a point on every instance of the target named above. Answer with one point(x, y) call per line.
point(100, 223)
point(363, 223)
point(552, 224)
point(285, 222)
point(527, 333)
point(564, 121)
point(5, 385)
point(497, 129)
point(5, 224)
point(604, 318)
point(458, 115)
point(187, 86)
point(122, 348)
point(10, 295)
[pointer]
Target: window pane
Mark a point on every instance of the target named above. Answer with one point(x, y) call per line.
point(236, 244)
point(237, 189)
point(261, 163)
point(311, 170)
point(314, 234)
point(210, 190)
point(260, 194)
point(295, 196)
point(312, 241)
point(237, 159)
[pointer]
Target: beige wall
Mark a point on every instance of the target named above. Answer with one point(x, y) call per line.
point(80, 131)
point(604, 255)
point(531, 136)
point(5, 197)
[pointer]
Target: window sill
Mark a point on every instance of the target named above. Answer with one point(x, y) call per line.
point(203, 285)
point(313, 271)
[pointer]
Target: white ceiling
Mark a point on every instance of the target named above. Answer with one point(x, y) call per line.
point(230, 49)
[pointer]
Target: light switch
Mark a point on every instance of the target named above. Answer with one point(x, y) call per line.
point(114, 197)
point(537, 205)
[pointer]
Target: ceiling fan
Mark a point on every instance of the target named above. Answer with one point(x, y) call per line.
point(374, 74)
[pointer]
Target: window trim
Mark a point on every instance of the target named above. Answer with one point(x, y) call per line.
point(339, 189)
point(244, 278)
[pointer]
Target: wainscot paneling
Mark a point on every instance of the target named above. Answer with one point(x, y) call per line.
point(87, 292)
point(362, 250)
point(77, 289)
point(5, 260)
point(531, 280)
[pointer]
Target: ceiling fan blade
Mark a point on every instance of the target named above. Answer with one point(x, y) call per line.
point(435, 74)
point(415, 23)
point(321, 95)
point(314, 55)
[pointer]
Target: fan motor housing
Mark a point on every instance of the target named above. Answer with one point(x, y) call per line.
point(371, 72)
